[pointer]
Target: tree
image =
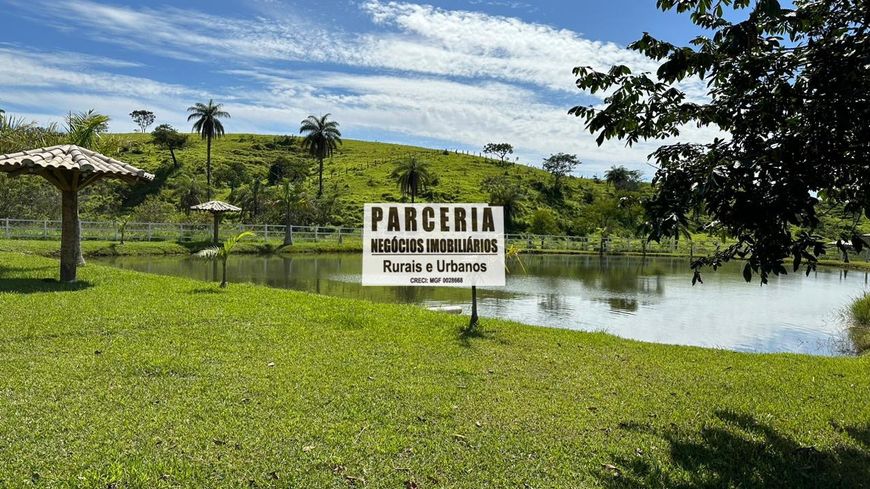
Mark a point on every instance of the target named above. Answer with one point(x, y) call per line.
point(291, 198)
point(233, 174)
point(788, 89)
point(166, 137)
point(143, 119)
point(222, 253)
point(16, 134)
point(412, 176)
point(501, 150)
point(510, 198)
point(623, 179)
point(188, 191)
point(207, 123)
point(543, 222)
point(121, 222)
point(85, 129)
point(321, 139)
point(250, 198)
point(560, 165)
point(295, 170)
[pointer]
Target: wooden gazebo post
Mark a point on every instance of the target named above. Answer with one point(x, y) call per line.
point(217, 209)
point(70, 168)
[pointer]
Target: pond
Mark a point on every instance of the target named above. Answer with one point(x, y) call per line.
point(649, 300)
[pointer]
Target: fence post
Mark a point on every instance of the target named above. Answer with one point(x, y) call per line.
point(149, 231)
point(316, 229)
point(266, 232)
point(45, 229)
point(339, 236)
point(8, 231)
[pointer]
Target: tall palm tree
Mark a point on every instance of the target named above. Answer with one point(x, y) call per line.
point(209, 127)
point(322, 137)
point(412, 176)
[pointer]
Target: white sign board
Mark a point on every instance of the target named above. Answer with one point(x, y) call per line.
point(433, 245)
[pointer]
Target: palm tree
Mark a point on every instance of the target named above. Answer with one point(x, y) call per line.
point(222, 253)
point(322, 137)
point(209, 126)
point(121, 222)
point(509, 198)
point(85, 129)
point(622, 178)
point(187, 191)
point(16, 134)
point(291, 197)
point(412, 176)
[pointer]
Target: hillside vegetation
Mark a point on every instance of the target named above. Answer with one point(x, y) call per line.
point(248, 170)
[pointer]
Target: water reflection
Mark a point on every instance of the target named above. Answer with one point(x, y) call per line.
point(650, 300)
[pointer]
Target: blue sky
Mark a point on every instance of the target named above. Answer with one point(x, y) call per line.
point(445, 74)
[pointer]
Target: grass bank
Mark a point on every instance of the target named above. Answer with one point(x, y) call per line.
point(859, 331)
point(51, 248)
point(135, 380)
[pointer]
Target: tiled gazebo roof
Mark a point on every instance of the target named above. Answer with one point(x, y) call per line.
point(71, 158)
point(216, 206)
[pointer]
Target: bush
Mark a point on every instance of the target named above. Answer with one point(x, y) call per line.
point(860, 311)
point(543, 222)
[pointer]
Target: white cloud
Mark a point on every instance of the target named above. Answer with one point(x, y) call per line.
point(476, 45)
point(453, 76)
point(20, 68)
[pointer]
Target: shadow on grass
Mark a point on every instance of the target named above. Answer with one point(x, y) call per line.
point(207, 290)
point(860, 434)
point(467, 338)
point(37, 285)
point(743, 453)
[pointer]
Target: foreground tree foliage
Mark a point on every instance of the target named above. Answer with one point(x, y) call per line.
point(788, 88)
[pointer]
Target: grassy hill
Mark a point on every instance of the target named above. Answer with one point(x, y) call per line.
point(358, 173)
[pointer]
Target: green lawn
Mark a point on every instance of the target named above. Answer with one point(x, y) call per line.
point(134, 380)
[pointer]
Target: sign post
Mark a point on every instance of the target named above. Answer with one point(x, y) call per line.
point(434, 245)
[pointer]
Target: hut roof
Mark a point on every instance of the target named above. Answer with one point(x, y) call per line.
point(215, 206)
point(70, 157)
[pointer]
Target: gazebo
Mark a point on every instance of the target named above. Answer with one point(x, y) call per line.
point(217, 209)
point(70, 168)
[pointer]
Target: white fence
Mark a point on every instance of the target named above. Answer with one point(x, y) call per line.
point(182, 232)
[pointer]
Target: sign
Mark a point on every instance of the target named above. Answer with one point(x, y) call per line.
point(433, 245)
